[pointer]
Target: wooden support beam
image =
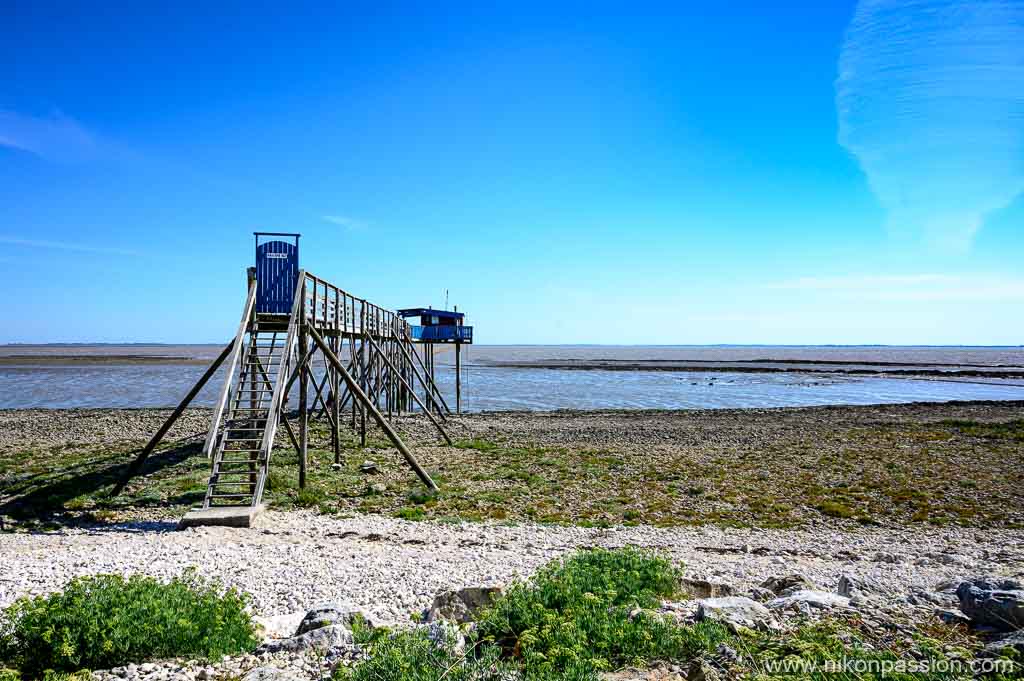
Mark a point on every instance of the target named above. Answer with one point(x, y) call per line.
point(394, 370)
point(416, 372)
point(370, 407)
point(291, 433)
point(318, 396)
point(136, 465)
point(295, 374)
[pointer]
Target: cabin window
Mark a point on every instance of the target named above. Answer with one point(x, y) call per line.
point(435, 320)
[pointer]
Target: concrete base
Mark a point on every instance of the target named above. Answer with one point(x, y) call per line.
point(224, 516)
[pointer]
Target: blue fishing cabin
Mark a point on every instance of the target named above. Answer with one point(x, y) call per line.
point(439, 326)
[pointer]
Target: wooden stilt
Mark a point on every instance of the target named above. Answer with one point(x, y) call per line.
point(136, 465)
point(370, 407)
point(458, 378)
point(428, 385)
point(433, 420)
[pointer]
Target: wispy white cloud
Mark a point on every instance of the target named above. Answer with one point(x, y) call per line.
point(913, 287)
point(66, 246)
point(930, 97)
point(346, 222)
point(55, 137)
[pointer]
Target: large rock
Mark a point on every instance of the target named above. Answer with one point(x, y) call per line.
point(806, 598)
point(279, 626)
point(787, 584)
point(736, 611)
point(327, 614)
point(1006, 646)
point(332, 638)
point(952, 617)
point(706, 588)
point(938, 599)
point(463, 605)
point(990, 604)
point(857, 587)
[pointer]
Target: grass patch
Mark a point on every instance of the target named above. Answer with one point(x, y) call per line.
point(836, 509)
point(778, 470)
point(104, 621)
point(1006, 430)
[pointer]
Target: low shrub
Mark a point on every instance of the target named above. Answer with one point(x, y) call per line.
point(106, 620)
point(588, 611)
point(573, 619)
point(413, 654)
point(829, 651)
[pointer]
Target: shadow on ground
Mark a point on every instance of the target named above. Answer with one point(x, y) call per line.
point(47, 494)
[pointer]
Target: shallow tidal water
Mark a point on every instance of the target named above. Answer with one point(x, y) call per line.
point(27, 383)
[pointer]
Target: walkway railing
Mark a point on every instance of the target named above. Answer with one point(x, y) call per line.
point(330, 308)
point(443, 334)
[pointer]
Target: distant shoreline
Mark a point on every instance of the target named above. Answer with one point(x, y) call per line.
point(78, 360)
point(741, 366)
point(768, 366)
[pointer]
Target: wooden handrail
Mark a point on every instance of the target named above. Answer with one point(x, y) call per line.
point(218, 411)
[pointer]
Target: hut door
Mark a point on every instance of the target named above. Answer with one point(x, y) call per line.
point(277, 274)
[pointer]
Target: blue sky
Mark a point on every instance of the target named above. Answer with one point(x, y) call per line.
point(581, 173)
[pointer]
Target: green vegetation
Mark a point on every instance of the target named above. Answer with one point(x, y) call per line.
point(411, 654)
point(1006, 430)
point(594, 612)
point(106, 620)
point(769, 473)
point(586, 612)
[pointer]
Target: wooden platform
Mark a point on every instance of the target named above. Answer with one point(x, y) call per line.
point(224, 516)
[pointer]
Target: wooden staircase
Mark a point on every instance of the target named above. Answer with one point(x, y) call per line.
point(246, 416)
point(239, 466)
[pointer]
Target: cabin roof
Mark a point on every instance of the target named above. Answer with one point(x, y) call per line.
point(420, 311)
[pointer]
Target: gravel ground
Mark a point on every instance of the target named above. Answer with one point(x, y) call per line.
point(27, 428)
point(393, 568)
